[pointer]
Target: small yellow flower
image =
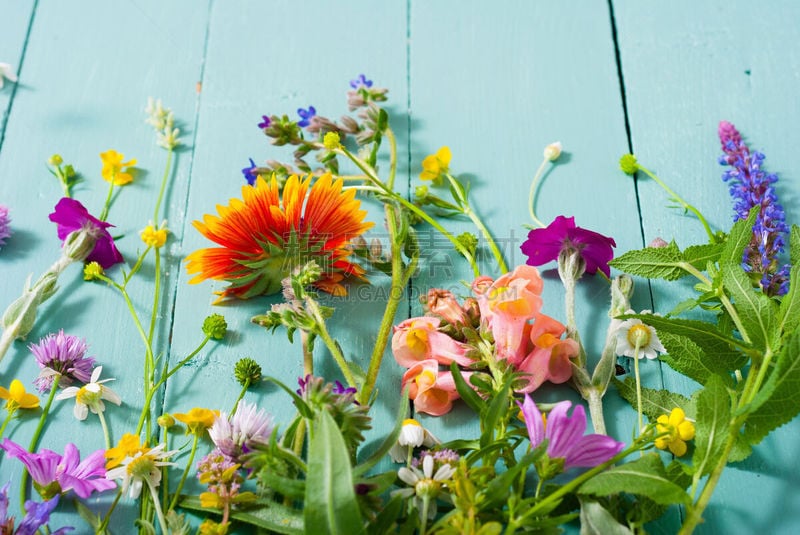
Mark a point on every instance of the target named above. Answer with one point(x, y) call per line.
point(128, 446)
point(17, 398)
point(198, 420)
point(113, 168)
point(154, 237)
point(435, 165)
point(92, 271)
point(678, 430)
point(332, 141)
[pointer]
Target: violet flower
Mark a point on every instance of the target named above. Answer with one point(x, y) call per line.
point(265, 122)
point(565, 435)
point(545, 244)
point(750, 186)
point(59, 354)
point(36, 516)
point(250, 173)
point(360, 82)
point(5, 230)
point(70, 215)
point(53, 474)
point(305, 116)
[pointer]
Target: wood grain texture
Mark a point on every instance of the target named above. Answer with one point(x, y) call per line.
point(686, 67)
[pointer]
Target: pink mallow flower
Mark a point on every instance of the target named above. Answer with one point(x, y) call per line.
point(70, 216)
point(417, 339)
point(507, 305)
point(565, 435)
point(545, 244)
point(54, 474)
point(551, 357)
point(432, 391)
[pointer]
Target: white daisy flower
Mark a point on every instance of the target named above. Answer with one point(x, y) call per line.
point(7, 73)
point(143, 467)
point(90, 395)
point(412, 435)
point(633, 336)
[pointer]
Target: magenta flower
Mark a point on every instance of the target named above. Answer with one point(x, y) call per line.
point(565, 435)
point(5, 231)
point(53, 474)
point(59, 354)
point(70, 215)
point(545, 244)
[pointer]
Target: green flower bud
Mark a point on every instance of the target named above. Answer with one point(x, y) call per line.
point(215, 327)
point(308, 274)
point(628, 164)
point(469, 241)
point(80, 244)
point(247, 372)
point(55, 160)
point(332, 141)
point(166, 421)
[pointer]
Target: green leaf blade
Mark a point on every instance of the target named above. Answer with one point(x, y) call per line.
point(654, 402)
point(712, 425)
point(652, 262)
point(644, 477)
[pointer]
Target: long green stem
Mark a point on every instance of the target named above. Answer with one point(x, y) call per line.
point(189, 464)
point(532, 193)
point(239, 398)
point(5, 422)
point(392, 157)
point(638, 384)
point(163, 186)
point(23, 485)
point(104, 425)
point(159, 513)
point(107, 204)
point(330, 343)
point(679, 200)
point(111, 508)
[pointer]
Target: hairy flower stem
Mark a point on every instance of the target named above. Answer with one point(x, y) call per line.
point(595, 401)
point(677, 198)
point(239, 398)
point(189, 463)
point(330, 343)
point(23, 481)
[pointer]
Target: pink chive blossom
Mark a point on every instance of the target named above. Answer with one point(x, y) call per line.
point(235, 436)
point(54, 474)
point(70, 216)
point(59, 354)
point(5, 229)
point(546, 244)
point(565, 435)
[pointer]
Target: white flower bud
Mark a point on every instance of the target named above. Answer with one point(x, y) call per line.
point(552, 151)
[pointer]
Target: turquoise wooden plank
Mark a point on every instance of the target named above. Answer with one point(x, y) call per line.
point(81, 93)
point(281, 73)
point(16, 19)
point(687, 67)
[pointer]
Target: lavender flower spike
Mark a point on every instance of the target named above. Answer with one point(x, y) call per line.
point(565, 435)
point(750, 186)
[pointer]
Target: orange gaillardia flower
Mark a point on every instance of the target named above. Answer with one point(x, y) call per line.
point(264, 236)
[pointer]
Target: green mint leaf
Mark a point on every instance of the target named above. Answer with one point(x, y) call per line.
point(644, 477)
point(652, 262)
point(713, 342)
point(794, 245)
point(330, 501)
point(700, 255)
point(713, 420)
point(596, 520)
point(686, 357)
point(789, 311)
point(739, 237)
point(757, 312)
point(654, 402)
point(778, 400)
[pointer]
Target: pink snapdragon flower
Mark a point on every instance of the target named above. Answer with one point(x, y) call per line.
point(550, 359)
point(565, 435)
point(417, 339)
point(432, 391)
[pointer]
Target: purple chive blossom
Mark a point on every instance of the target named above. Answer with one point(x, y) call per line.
point(265, 122)
point(750, 186)
point(235, 436)
point(5, 229)
point(360, 82)
point(250, 173)
point(59, 354)
point(565, 435)
point(545, 244)
point(70, 215)
point(305, 116)
point(54, 474)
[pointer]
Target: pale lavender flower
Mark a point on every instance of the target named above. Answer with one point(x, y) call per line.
point(54, 474)
point(5, 229)
point(235, 436)
point(565, 435)
point(63, 355)
point(750, 186)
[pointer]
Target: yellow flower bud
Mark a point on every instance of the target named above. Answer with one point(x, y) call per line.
point(155, 237)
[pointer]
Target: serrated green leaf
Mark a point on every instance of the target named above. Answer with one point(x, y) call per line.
point(711, 425)
point(652, 262)
point(704, 334)
point(739, 237)
point(756, 311)
point(794, 245)
point(596, 520)
point(644, 477)
point(654, 402)
point(330, 503)
point(699, 255)
point(686, 357)
point(789, 311)
point(778, 400)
